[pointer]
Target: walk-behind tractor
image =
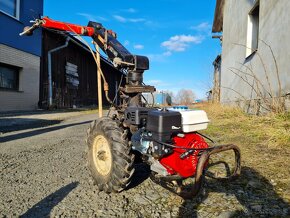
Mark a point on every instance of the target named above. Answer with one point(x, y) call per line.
point(167, 139)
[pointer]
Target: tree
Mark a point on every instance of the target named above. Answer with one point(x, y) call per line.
point(185, 96)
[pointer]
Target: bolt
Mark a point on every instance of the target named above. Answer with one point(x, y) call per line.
point(101, 155)
point(180, 135)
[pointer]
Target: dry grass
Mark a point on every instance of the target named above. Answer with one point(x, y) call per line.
point(264, 141)
point(230, 124)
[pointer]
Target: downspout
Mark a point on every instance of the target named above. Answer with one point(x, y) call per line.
point(49, 70)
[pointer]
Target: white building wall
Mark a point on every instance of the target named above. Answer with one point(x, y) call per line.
point(28, 95)
point(274, 29)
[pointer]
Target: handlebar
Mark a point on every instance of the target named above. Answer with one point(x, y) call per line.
point(28, 30)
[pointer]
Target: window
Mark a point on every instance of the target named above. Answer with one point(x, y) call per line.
point(10, 7)
point(9, 77)
point(253, 29)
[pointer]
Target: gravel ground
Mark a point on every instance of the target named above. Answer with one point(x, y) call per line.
point(43, 174)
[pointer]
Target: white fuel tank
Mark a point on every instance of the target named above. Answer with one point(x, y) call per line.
point(192, 120)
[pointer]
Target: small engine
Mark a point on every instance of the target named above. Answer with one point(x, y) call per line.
point(168, 138)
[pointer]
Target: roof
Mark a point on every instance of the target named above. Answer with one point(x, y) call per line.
point(77, 42)
point(218, 16)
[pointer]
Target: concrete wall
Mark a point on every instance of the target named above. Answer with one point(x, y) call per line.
point(27, 96)
point(274, 28)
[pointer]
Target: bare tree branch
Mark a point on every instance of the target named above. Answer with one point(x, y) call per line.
point(276, 66)
point(264, 67)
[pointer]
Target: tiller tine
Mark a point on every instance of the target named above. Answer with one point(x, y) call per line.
point(174, 183)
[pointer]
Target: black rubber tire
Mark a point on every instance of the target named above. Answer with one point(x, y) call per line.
point(121, 169)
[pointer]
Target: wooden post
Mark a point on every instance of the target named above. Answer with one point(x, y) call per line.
point(100, 100)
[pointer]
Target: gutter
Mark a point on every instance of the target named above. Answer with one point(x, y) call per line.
point(49, 70)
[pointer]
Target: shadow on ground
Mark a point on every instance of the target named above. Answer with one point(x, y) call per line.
point(253, 191)
point(16, 124)
point(37, 132)
point(45, 206)
point(141, 173)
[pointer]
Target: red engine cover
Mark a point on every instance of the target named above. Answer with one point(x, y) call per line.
point(184, 167)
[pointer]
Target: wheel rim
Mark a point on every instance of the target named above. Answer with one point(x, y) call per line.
point(102, 155)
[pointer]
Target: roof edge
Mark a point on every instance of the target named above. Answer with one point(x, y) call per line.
point(78, 42)
point(218, 16)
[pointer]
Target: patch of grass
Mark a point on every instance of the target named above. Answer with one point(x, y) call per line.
point(264, 142)
point(235, 126)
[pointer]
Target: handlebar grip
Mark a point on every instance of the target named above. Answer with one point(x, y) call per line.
point(28, 31)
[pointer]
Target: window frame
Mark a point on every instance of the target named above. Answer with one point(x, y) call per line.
point(17, 77)
point(253, 27)
point(17, 12)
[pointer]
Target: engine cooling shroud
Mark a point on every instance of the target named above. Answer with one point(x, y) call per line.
point(186, 167)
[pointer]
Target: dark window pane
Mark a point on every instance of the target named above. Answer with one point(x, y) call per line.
point(8, 6)
point(8, 78)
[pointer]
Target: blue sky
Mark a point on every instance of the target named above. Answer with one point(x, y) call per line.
point(175, 35)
